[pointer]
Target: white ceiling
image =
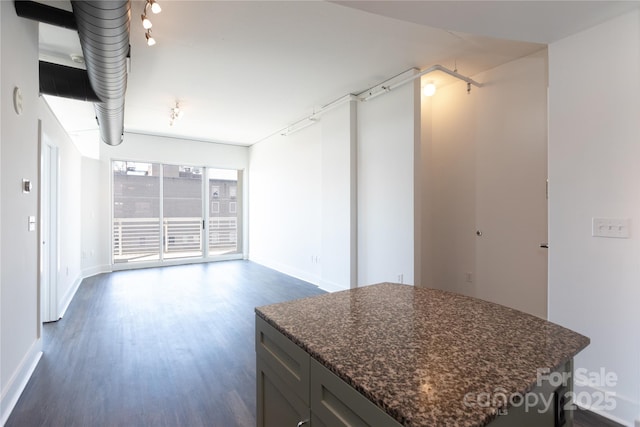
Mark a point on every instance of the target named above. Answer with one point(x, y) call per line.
point(243, 70)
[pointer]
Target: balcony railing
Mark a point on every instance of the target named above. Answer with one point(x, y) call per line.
point(138, 239)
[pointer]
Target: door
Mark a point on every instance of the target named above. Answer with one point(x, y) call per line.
point(136, 229)
point(510, 196)
point(224, 211)
point(182, 213)
point(170, 213)
point(48, 230)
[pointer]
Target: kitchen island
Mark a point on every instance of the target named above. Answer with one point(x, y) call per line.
point(397, 355)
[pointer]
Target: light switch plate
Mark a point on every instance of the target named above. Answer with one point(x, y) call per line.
point(619, 228)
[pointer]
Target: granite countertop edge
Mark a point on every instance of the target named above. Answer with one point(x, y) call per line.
point(393, 412)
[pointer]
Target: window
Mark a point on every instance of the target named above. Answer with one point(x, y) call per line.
point(182, 212)
point(223, 222)
point(136, 212)
point(158, 212)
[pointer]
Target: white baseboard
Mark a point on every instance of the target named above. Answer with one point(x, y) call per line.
point(92, 271)
point(173, 262)
point(19, 380)
point(66, 299)
point(64, 302)
point(624, 413)
point(287, 269)
point(330, 286)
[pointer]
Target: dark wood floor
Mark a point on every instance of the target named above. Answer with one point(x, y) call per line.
point(169, 346)
point(584, 418)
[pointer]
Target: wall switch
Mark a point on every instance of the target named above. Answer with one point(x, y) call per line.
point(611, 227)
point(31, 221)
point(468, 277)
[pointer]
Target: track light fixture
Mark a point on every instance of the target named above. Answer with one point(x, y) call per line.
point(176, 113)
point(146, 22)
point(150, 40)
point(429, 89)
point(155, 7)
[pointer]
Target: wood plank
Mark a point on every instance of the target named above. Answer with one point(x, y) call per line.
point(171, 346)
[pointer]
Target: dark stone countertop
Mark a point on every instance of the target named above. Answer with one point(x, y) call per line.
point(416, 352)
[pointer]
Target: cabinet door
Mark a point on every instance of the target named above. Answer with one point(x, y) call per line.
point(278, 405)
point(544, 405)
point(282, 370)
point(334, 403)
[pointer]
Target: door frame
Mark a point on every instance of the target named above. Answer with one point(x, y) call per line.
point(48, 240)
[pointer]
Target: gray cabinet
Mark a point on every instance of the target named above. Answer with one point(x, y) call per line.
point(334, 403)
point(293, 388)
point(282, 370)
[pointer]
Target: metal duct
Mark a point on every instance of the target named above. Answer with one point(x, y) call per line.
point(103, 27)
point(68, 82)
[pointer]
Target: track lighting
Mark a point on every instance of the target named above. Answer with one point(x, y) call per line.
point(429, 89)
point(150, 40)
point(299, 125)
point(146, 22)
point(371, 93)
point(155, 7)
point(176, 114)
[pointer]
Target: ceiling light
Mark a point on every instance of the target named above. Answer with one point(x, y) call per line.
point(429, 89)
point(155, 7)
point(176, 113)
point(150, 40)
point(146, 24)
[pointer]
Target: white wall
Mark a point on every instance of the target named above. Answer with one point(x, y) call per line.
point(449, 191)
point(339, 213)
point(594, 152)
point(333, 203)
point(303, 201)
point(94, 252)
point(19, 318)
point(487, 172)
point(69, 208)
point(285, 206)
point(148, 148)
point(388, 131)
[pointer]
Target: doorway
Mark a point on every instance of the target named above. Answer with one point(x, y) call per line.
point(165, 213)
point(49, 159)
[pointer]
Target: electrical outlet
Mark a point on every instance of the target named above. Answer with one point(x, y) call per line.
point(468, 276)
point(400, 278)
point(611, 227)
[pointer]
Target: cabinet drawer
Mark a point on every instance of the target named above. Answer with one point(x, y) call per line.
point(285, 359)
point(334, 403)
